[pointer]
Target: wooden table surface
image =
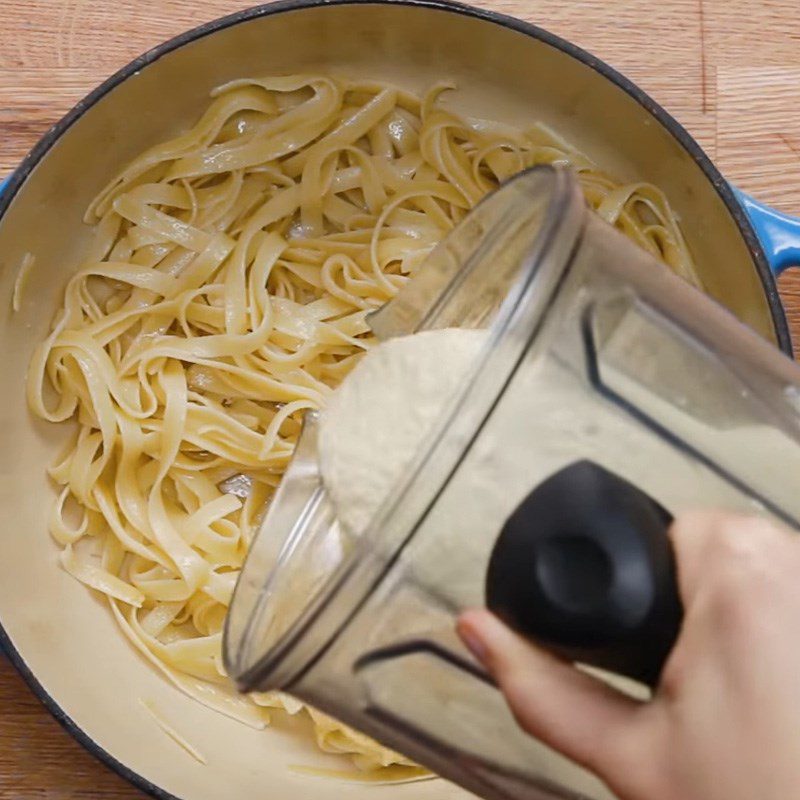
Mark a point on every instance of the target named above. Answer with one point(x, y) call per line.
point(729, 70)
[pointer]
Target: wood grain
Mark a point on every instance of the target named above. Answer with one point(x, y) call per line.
point(727, 69)
point(39, 759)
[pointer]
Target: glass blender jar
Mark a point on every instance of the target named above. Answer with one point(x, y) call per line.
point(608, 396)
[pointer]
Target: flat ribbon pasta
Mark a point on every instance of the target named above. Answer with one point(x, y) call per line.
point(224, 294)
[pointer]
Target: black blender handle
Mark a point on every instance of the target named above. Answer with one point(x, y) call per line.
point(584, 566)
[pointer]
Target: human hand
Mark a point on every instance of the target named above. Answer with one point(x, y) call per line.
point(724, 722)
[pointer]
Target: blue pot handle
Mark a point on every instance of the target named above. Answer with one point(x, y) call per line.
point(778, 233)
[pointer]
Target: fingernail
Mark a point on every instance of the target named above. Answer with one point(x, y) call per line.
point(472, 640)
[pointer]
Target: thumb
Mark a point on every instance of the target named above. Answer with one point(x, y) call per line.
point(572, 712)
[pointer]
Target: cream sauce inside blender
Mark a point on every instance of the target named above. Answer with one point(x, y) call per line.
point(383, 413)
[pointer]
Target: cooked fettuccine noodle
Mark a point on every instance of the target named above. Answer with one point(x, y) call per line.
point(225, 294)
